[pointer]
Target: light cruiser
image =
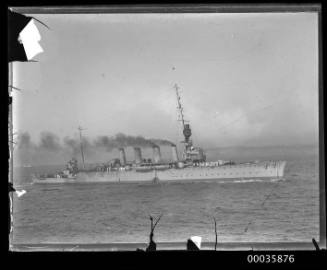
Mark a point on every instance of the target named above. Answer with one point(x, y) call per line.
point(193, 166)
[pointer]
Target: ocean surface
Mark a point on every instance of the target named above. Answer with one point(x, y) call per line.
point(246, 211)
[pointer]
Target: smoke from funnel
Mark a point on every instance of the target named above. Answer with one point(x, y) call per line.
point(24, 141)
point(109, 143)
point(49, 141)
point(121, 140)
point(127, 140)
point(50, 148)
point(73, 144)
point(161, 142)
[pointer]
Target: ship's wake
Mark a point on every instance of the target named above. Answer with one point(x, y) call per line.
point(253, 180)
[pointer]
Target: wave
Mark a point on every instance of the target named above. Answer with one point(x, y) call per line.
point(22, 186)
point(252, 180)
point(52, 189)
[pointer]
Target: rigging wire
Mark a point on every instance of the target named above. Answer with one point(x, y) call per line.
point(224, 128)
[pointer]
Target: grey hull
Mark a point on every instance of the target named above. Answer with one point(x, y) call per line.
point(262, 170)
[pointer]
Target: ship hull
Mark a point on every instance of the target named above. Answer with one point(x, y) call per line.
point(262, 170)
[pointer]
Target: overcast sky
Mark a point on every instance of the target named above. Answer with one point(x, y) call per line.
point(245, 79)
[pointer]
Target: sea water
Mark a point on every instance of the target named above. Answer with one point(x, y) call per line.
point(254, 210)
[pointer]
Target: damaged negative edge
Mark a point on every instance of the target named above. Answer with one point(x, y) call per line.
point(11, 152)
point(161, 246)
point(201, 9)
point(321, 140)
point(166, 8)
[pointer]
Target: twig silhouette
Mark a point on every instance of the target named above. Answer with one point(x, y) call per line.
point(13, 87)
point(152, 245)
point(315, 244)
point(216, 240)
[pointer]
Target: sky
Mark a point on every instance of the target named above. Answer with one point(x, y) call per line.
point(245, 79)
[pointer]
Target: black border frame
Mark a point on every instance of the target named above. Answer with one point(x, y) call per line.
point(218, 8)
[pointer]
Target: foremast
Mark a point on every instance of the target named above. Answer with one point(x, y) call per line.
point(190, 153)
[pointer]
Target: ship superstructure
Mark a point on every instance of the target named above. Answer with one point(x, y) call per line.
point(193, 165)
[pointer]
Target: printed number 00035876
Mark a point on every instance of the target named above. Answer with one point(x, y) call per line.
point(267, 258)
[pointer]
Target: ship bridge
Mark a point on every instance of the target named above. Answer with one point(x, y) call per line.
point(195, 154)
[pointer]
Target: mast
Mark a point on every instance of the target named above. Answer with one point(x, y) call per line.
point(80, 136)
point(179, 107)
point(190, 153)
point(186, 127)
